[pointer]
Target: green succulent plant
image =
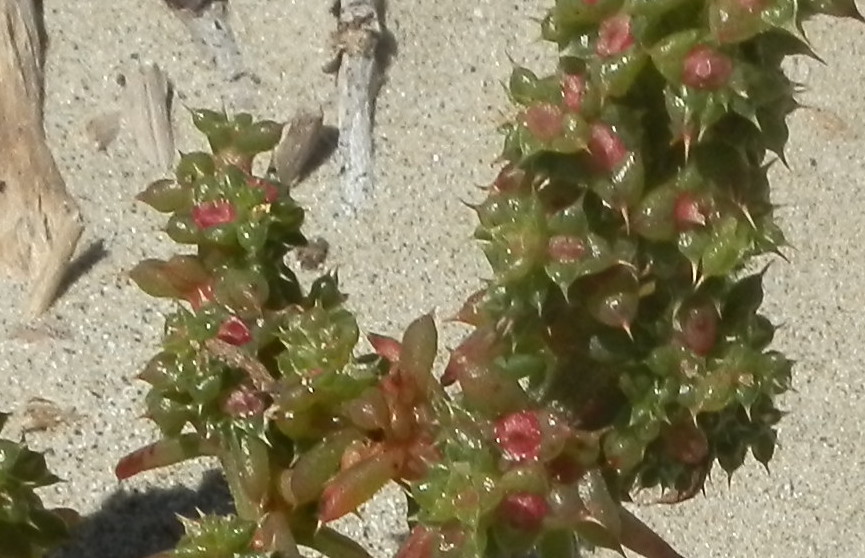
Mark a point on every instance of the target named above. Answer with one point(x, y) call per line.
point(618, 345)
point(27, 528)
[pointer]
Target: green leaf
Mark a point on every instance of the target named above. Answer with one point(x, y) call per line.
point(730, 238)
point(580, 12)
point(166, 196)
point(194, 166)
point(668, 54)
point(522, 86)
point(215, 536)
point(317, 465)
point(163, 453)
point(588, 253)
point(259, 137)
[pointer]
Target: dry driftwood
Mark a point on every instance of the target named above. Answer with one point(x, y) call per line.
point(358, 33)
point(40, 223)
point(209, 24)
point(148, 115)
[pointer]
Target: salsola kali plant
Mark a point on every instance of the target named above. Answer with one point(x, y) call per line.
point(27, 528)
point(618, 345)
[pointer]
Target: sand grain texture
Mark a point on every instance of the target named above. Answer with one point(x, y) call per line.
point(408, 251)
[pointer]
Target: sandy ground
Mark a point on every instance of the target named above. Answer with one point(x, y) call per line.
point(409, 252)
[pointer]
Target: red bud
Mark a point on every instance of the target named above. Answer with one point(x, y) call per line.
point(234, 331)
point(687, 211)
point(544, 121)
point(706, 68)
point(606, 147)
point(213, 213)
point(519, 435)
point(614, 36)
point(524, 510)
point(573, 88)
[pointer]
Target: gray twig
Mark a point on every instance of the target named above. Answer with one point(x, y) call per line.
point(357, 37)
point(208, 23)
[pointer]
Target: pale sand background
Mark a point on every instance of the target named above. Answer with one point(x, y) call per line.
point(409, 252)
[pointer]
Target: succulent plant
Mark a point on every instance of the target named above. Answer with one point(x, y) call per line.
point(619, 344)
point(27, 528)
point(620, 337)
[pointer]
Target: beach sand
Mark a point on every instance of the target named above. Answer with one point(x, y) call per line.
point(409, 251)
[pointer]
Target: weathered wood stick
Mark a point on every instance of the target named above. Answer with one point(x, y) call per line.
point(148, 118)
point(357, 37)
point(40, 223)
point(208, 23)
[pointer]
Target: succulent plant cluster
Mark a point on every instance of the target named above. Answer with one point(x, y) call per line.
point(621, 335)
point(619, 344)
point(27, 528)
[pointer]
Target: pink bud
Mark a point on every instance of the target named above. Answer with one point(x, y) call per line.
point(563, 248)
point(544, 121)
point(706, 68)
point(213, 213)
point(687, 211)
point(700, 329)
point(234, 331)
point(606, 147)
point(519, 435)
point(524, 510)
point(573, 89)
point(614, 36)
point(243, 402)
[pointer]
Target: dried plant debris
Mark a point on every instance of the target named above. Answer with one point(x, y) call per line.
point(313, 255)
point(300, 137)
point(43, 414)
point(39, 332)
point(148, 95)
point(356, 40)
point(208, 23)
point(102, 129)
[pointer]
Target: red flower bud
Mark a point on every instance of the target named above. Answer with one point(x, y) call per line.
point(706, 68)
point(687, 211)
point(244, 402)
point(573, 88)
point(544, 121)
point(614, 36)
point(213, 213)
point(524, 510)
point(700, 329)
point(606, 147)
point(519, 435)
point(234, 331)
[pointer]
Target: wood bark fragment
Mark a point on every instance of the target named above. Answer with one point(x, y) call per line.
point(40, 222)
point(357, 38)
point(148, 116)
point(299, 139)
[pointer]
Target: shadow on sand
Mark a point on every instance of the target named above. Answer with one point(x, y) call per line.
point(136, 524)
